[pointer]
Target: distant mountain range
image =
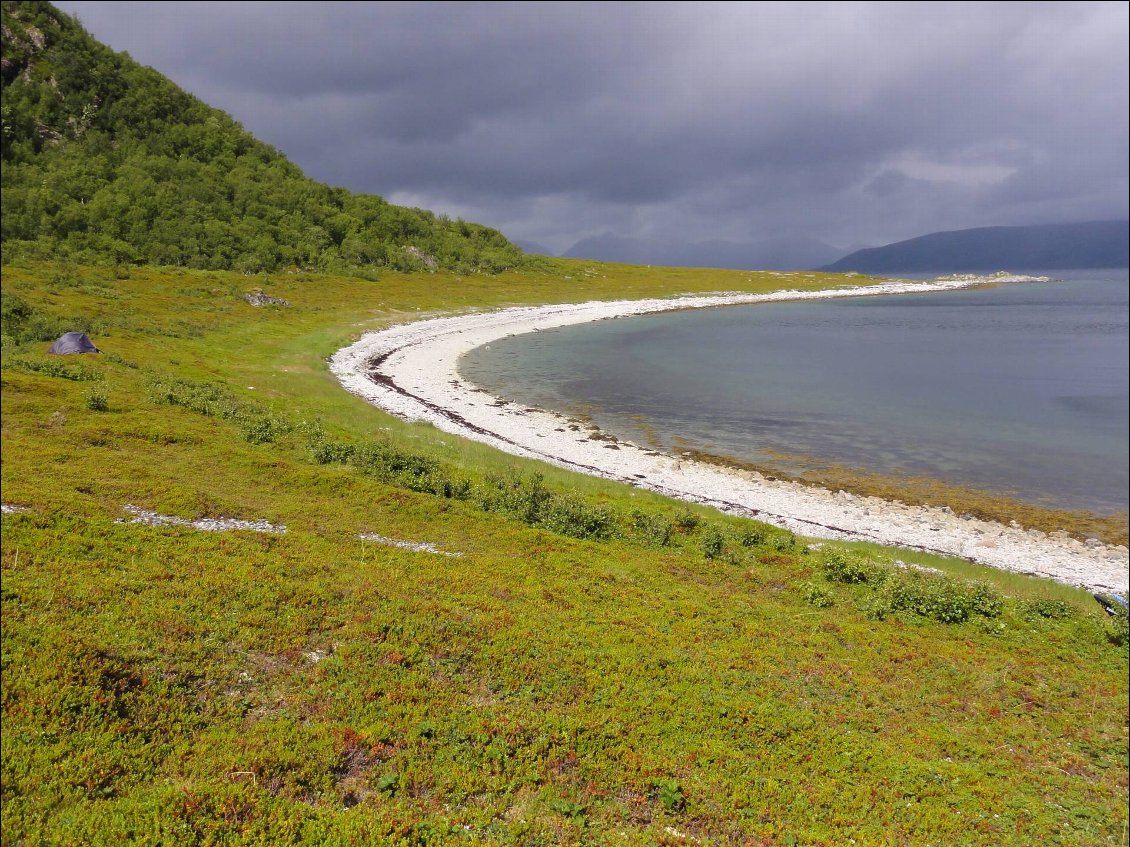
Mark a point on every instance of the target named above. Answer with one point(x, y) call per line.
point(773, 254)
point(1097, 244)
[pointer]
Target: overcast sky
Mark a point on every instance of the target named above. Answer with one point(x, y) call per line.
point(854, 123)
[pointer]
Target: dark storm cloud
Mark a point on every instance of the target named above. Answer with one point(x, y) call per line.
point(848, 122)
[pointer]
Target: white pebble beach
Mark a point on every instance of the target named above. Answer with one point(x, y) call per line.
point(412, 371)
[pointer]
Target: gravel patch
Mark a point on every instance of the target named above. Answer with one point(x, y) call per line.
point(149, 518)
point(416, 546)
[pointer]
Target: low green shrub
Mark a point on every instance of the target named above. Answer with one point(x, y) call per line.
point(1050, 609)
point(779, 540)
point(24, 324)
point(844, 567)
point(653, 529)
point(933, 596)
point(118, 360)
point(55, 368)
point(204, 398)
point(398, 467)
point(97, 400)
point(670, 795)
point(257, 425)
point(262, 428)
point(451, 489)
point(330, 453)
point(322, 450)
point(388, 783)
point(568, 808)
point(985, 601)
point(817, 595)
point(528, 500)
point(753, 535)
point(937, 598)
point(713, 542)
point(568, 514)
point(687, 522)
point(515, 495)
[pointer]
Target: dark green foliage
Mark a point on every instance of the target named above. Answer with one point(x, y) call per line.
point(97, 400)
point(329, 453)
point(388, 783)
point(322, 451)
point(712, 542)
point(654, 529)
point(22, 324)
point(391, 464)
point(54, 367)
point(527, 499)
point(687, 522)
point(818, 595)
point(753, 536)
point(570, 515)
point(984, 600)
point(934, 597)
point(258, 426)
point(842, 567)
point(571, 810)
point(118, 360)
point(1048, 609)
point(522, 497)
point(671, 795)
point(106, 160)
point(779, 539)
point(14, 313)
point(262, 429)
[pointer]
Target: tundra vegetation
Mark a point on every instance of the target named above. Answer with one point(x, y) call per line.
point(446, 644)
point(600, 664)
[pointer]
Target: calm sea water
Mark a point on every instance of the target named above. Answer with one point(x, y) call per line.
point(1019, 389)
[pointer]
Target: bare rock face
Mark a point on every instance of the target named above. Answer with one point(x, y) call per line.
point(430, 261)
point(36, 38)
point(47, 134)
point(258, 298)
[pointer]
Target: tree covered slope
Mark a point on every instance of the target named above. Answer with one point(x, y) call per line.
point(107, 160)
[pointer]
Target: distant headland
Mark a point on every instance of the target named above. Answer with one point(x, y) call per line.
point(1096, 244)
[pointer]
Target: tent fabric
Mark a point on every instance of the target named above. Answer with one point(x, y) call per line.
point(73, 342)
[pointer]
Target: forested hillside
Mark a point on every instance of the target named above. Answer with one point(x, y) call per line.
point(107, 160)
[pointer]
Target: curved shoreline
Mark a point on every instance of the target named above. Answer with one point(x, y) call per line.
point(411, 371)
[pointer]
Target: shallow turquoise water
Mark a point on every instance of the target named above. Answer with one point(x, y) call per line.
point(1018, 389)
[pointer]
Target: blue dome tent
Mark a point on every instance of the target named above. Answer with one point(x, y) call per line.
point(73, 342)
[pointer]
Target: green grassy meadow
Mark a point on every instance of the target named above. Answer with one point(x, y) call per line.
point(599, 665)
